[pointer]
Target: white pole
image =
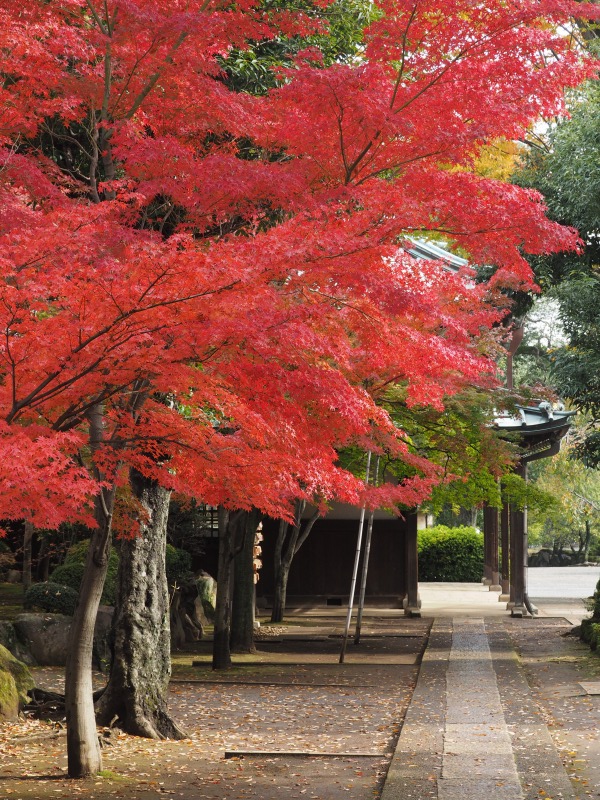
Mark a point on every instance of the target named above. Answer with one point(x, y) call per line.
point(365, 569)
point(355, 570)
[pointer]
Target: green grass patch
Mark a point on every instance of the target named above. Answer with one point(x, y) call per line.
point(109, 775)
point(11, 600)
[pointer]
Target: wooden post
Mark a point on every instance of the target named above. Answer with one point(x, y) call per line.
point(517, 533)
point(518, 529)
point(412, 603)
point(505, 544)
point(487, 545)
point(402, 584)
point(490, 523)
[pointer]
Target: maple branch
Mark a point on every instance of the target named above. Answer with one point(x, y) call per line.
point(38, 395)
point(411, 18)
point(398, 165)
point(132, 73)
point(154, 78)
point(98, 20)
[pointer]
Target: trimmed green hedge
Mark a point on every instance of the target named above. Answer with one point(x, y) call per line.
point(450, 554)
point(590, 628)
point(51, 597)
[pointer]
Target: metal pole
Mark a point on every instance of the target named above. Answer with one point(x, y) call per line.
point(355, 569)
point(365, 569)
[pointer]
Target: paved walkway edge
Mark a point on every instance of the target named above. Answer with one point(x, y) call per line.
point(437, 719)
point(416, 765)
point(539, 765)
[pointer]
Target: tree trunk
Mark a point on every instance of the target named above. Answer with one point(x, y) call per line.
point(27, 542)
point(587, 541)
point(286, 548)
point(242, 615)
point(229, 524)
point(136, 694)
point(43, 561)
point(280, 579)
point(83, 749)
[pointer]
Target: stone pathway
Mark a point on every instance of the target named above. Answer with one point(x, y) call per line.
point(473, 729)
point(477, 759)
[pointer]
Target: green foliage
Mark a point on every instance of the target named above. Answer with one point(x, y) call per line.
point(590, 633)
point(256, 68)
point(460, 439)
point(51, 597)
point(520, 494)
point(573, 518)
point(71, 572)
point(590, 628)
point(179, 565)
point(450, 554)
point(567, 173)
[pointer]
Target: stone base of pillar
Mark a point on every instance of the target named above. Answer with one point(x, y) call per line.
point(413, 610)
point(518, 611)
point(533, 608)
point(503, 598)
point(510, 605)
point(486, 581)
point(495, 587)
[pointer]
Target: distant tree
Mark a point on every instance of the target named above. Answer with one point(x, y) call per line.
point(573, 520)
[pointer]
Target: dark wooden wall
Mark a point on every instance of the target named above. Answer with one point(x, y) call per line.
point(323, 565)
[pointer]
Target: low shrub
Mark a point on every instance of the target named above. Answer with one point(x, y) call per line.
point(71, 572)
point(450, 554)
point(51, 597)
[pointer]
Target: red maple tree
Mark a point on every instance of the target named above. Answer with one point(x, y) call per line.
point(222, 323)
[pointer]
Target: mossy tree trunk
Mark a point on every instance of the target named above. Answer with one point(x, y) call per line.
point(136, 694)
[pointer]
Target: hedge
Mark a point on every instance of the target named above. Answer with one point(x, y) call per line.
point(71, 572)
point(51, 597)
point(178, 566)
point(450, 554)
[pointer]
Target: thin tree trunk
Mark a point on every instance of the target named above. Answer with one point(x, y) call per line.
point(587, 541)
point(280, 580)
point(228, 527)
point(242, 616)
point(83, 750)
point(27, 543)
point(286, 548)
point(136, 694)
point(43, 561)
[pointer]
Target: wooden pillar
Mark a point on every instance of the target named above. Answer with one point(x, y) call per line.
point(518, 535)
point(403, 583)
point(490, 528)
point(505, 545)
point(412, 603)
point(487, 548)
